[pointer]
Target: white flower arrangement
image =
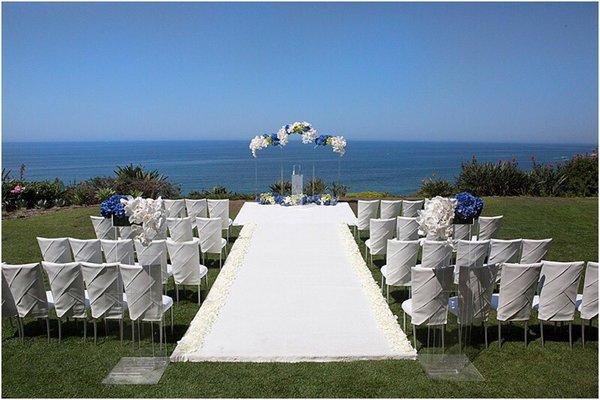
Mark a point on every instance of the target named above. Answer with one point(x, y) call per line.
point(339, 145)
point(258, 143)
point(435, 220)
point(146, 215)
point(267, 198)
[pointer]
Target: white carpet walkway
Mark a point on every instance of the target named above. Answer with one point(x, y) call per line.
point(294, 289)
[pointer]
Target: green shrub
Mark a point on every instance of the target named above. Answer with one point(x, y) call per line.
point(282, 187)
point(219, 192)
point(338, 190)
point(431, 187)
point(489, 179)
point(82, 194)
point(581, 175)
point(315, 186)
point(44, 194)
point(105, 193)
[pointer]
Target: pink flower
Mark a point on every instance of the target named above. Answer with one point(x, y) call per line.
point(17, 189)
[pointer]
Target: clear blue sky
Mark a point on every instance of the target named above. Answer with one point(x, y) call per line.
point(474, 72)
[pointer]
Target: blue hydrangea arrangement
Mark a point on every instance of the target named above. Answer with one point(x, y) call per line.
point(468, 207)
point(113, 206)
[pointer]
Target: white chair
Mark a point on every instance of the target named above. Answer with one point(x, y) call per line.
point(174, 208)
point(367, 210)
point(407, 228)
point(504, 251)
point(557, 289)
point(118, 251)
point(474, 300)
point(489, 227)
point(144, 298)
point(517, 290)
point(67, 292)
point(86, 250)
point(462, 231)
point(26, 286)
point(187, 270)
point(55, 250)
point(435, 254)
point(400, 258)
point(105, 290)
point(390, 209)
point(587, 303)
point(470, 254)
point(161, 234)
point(153, 253)
point(410, 208)
point(534, 251)
point(429, 302)
point(209, 236)
point(127, 232)
point(380, 231)
point(180, 229)
point(196, 208)
point(220, 209)
point(103, 228)
point(9, 308)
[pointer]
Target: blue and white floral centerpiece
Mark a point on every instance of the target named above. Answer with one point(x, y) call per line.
point(468, 208)
point(113, 208)
point(269, 198)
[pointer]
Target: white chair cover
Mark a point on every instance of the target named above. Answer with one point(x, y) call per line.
point(66, 285)
point(185, 259)
point(154, 253)
point(105, 289)
point(489, 227)
point(180, 229)
point(471, 253)
point(558, 290)
point(462, 231)
point(589, 300)
point(26, 285)
point(367, 210)
point(534, 251)
point(9, 308)
point(407, 228)
point(410, 208)
point(127, 232)
point(435, 254)
point(475, 288)
point(517, 290)
point(504, 251)
point(103, 228)
point(143, 288)
point(196, 208)
point(390, 209)
point(118, 251)
point(210, 235)
point(380, 230)
point(175, 208)
point(160, 235)
point(219, 209)
point(55, 250)
point(430, 289)
point(86, 250)
point(401, 257)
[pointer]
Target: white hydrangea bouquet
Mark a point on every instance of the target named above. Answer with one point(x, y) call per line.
point(146, 215)
point(435, 220)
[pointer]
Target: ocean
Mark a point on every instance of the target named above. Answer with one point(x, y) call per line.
point(394, 167)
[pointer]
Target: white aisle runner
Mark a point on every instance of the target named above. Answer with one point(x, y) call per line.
point(294, 288)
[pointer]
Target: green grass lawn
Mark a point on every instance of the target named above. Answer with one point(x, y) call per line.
point(72, 368)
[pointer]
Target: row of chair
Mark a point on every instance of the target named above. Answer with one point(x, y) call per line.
point(213, 208)
point(107, 290)
point(555, 282)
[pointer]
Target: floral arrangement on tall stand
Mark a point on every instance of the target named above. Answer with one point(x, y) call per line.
point(468, 208)
point(147, 217)
point(435, 220)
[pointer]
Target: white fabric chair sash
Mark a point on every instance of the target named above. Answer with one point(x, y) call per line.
point(175, 208)
point(407, 228)
point(471, 253)
point(66, 285)
point(55, 249)
point(9, 308)
point(153, 253)
point(86, 250)
point(367, 210)
point(401, 257)
point(196, 208)
point(430, 290)
point(390, 209)
point(411, 208)
point(185, 260)
point(489, 227)
point(504, 251)
point(143, 287)
point(534, 251)
point(436, 254)
point(103, 228)
point(127, 232)
point(26, 285)
point(380, 230)
point(105, 289)
point(475, 288)
point(219, 209)
point(461, 231)
point(160, 235)
point(517, 290)
point(180, 229)
point(118, 251)
point(589, 300)
point(558, 290)
point(210, 235)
